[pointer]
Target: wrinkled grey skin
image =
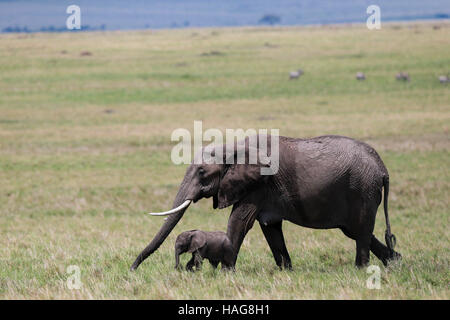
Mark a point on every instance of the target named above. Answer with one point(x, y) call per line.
point(214, 246)
point(324, 182)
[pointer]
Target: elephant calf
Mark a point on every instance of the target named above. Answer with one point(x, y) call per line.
point(214, 246)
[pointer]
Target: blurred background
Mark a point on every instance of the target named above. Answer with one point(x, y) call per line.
point(48, 15)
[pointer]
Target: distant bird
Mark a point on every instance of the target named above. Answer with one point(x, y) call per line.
point(360, 76)
point(295, 74)
point(444, 79)
point(402, 76)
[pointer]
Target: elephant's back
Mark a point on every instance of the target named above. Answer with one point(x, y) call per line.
point(324, 161)
point(341, 150)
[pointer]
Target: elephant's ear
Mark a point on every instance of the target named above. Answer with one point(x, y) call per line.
point(198, 241)
point(237, 181)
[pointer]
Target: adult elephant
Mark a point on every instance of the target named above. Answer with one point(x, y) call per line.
point(324, 182)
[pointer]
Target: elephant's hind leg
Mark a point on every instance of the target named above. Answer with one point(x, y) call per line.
point(360, 227)
point(363, 246)
point(382, 252)
point(362, 251)
point(274, 236)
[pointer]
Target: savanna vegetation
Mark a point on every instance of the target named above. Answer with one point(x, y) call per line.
point(85, 127)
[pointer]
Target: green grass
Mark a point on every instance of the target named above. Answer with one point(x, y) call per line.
point(85, 152)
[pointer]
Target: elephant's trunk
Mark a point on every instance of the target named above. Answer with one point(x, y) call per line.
point(170, 223)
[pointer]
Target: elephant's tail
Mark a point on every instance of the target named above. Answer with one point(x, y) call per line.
point(389, 237)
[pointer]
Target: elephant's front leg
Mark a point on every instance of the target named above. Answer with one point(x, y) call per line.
point(191, 263)
point(240, 222)
point(274, 236)
point(177, 259)
point(196, 261)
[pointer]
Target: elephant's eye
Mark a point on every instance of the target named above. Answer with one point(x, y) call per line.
point(201, 171)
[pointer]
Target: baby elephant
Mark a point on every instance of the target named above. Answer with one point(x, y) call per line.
point(214, 246)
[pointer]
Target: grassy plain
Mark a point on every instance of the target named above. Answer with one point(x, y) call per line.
point(85, 152)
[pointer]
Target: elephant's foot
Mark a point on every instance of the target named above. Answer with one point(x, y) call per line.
point(228, 269)
point(383, 253)
point(178, 268)
point(393, 256)
point(283, 263)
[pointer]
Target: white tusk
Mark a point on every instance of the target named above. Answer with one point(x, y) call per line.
point(174, 210)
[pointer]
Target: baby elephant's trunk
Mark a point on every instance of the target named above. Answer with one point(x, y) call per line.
point(177, 258)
